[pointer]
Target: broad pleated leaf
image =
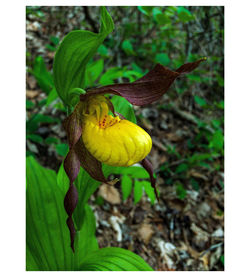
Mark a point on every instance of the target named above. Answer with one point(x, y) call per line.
point(47, 235)
point(114, 259)
point(85, 240)
point(73, 54)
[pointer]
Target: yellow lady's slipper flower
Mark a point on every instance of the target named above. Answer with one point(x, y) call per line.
point(112, 140)
point(95, 136)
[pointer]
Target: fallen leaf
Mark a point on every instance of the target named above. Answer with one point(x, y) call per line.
point(205, 260)
point(200, 236)
point(31, 93)
point(146, 124)
point(173, 137)
point(110, 194)
point(31, 81)
point(145, 232)
point(197, 174)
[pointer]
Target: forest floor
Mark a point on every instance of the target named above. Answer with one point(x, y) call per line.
point(185, 230)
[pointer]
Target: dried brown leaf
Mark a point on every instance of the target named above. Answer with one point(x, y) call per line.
point(145, 232)
point(110, 194)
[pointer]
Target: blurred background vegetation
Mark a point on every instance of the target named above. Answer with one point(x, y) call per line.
point(185, 230)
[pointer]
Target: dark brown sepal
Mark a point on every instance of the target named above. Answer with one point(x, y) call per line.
point(70, 200)
point(147, 89)
point(89, 163)
point(148, 166)
point(73, 126)
point(71, 165)
point(72, 231)
point(188, 67)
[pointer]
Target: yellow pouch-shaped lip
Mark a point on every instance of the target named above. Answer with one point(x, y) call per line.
point(118, 143)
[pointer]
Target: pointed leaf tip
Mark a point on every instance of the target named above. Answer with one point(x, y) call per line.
point(147, 89)
point(148, 166)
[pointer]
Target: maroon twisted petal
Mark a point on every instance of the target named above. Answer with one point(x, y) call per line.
point(71, 165)
point(148, 166)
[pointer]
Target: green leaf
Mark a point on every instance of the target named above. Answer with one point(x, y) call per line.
point(51, 140)
point(123, 107)
point(42, 103)
point(73, 54)
point(138, 191)
point(195, 184)
point(29, 153)
point(62, 180)
point(184, 14)
point(216, 123)
point(162, 58)
point(52, 96)
point(54, 40)
point(114, 259)
point(50, 47)
point(220, 105)
point(111, 75)
point(132, 75)
point(194, 77)
point(137, 69)
point(217, 141)
point(181, 168)
point(196, 158)
point(149, 191)
point(35, 138)
point(93, 71)
point(47, 235)
point(222, 259)
point(43, 76)
point(62, 149)
point(200, 101)
point(126, 184)
point(180, 191)
point(29, 104)
point(133, 171)
point(33, 123)
point(103, 50)
point(220, 80)
point(161, 17)
point(85, 240)
point(99, 200)
point(147, 10)
point(127, 47)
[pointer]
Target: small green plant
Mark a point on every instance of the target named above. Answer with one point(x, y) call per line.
point(135, 177)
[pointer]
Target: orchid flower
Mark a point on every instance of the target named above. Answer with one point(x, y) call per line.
point(97, 134)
